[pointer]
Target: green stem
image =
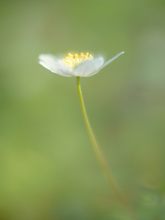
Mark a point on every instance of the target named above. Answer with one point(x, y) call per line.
point(97, 150)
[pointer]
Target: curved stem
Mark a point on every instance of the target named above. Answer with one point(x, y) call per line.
point(97, 150)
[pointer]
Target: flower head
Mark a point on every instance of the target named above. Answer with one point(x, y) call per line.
point(75, 64)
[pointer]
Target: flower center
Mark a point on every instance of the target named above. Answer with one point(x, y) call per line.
point(74, 59)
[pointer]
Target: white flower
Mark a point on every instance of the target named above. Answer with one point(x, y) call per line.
point(75, 64)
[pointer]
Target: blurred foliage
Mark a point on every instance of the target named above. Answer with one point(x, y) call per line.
point(47, 167)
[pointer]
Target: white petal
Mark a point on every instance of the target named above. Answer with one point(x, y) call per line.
point(54, 64)
point(112, 59)
point(89, 68)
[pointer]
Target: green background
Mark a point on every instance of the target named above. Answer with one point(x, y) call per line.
point(47, 167)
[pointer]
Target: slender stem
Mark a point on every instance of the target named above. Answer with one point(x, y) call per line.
point(97, 150)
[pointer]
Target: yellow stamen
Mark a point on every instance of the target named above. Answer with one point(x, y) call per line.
point(74, 59)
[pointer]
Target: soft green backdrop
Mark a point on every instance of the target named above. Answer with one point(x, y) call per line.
point(47, 167)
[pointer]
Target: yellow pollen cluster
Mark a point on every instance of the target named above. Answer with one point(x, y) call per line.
point(74, 59)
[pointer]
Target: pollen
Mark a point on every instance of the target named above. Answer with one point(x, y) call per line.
point(74, 59)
